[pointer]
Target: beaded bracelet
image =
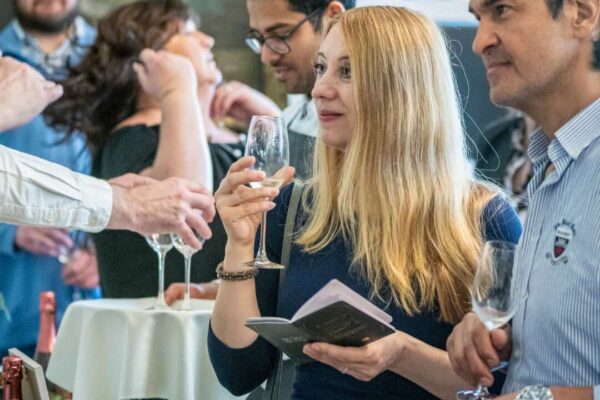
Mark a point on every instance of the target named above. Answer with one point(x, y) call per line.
point(235, 276)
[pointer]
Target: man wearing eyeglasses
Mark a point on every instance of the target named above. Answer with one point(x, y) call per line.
point(48, 35)
point(287, 34)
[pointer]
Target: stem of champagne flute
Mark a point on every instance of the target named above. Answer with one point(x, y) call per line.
point(262, 253)
point(186, 298)
point(160, 301)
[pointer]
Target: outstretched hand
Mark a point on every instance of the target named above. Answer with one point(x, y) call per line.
point(25, 93)
point(168, 206)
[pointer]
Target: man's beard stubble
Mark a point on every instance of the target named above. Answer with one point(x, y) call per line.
point(47, 25)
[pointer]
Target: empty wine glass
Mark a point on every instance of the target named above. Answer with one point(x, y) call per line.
point(187, 252)
point(493, 297)
point(161, 244)
point(268, 143)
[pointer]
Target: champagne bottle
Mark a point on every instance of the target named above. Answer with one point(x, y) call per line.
point(12, 373)
point(47, 334)
point(46, 339)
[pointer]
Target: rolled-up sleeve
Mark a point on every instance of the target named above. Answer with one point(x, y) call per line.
point(37, 192)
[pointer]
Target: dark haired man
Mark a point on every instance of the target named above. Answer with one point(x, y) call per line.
point(287, 34)
point(48, 35)
point(543, 58)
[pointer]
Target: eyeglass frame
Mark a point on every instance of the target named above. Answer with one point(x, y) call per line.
point(284, 38)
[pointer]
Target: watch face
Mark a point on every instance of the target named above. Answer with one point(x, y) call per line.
point(537, 392)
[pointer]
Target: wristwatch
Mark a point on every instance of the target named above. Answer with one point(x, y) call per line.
point(535, 392)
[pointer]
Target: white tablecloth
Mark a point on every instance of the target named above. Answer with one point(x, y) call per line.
point(118, 349)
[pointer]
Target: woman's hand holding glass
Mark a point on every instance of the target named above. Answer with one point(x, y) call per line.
point(241, 207)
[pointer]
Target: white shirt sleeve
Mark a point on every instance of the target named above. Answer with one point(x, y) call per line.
point(597, 392)
point(38, 192)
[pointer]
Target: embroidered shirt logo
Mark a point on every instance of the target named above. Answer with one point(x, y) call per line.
point(563, 234)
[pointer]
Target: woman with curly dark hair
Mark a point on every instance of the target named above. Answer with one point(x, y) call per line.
point(160, 128)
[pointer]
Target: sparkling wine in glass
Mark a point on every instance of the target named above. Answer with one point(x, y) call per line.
point(493, 297)
point(268, 143)
point(161, 244)
point(187, 252)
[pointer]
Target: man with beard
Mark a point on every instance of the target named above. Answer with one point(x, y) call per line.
point(543, 57)
point(49, 35)
point(286, 34)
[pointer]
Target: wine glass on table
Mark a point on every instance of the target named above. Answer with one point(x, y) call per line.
point(268, 144)
point(493, 297)
point(161, 244)
point(187, 253)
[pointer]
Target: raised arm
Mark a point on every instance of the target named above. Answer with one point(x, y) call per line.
point(240, 209)
point(183, 148)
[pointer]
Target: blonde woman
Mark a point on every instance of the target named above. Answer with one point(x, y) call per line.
point(393, 211)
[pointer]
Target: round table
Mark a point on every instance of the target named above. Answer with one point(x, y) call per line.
point(119, 349)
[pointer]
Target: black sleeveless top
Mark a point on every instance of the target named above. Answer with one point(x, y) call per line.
point(127, 266)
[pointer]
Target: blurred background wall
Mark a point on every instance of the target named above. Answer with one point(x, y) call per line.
point(227, 22)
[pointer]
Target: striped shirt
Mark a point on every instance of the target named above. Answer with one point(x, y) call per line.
point(556, 329)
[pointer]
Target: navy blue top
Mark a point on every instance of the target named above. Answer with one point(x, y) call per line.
point(242, 370)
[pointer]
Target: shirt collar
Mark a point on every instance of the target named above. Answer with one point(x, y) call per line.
point(538, 146)
point(574, 137)
point(577, 134)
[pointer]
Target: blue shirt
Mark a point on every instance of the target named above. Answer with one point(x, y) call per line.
point(24, 275)
point(241, 370)
point(556, 329)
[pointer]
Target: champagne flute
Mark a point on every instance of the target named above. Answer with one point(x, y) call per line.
point(187, 252)
point(268, 143)
point(493, 297)
point(161, 244)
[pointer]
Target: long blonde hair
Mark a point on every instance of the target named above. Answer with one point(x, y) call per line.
point(403, 194)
